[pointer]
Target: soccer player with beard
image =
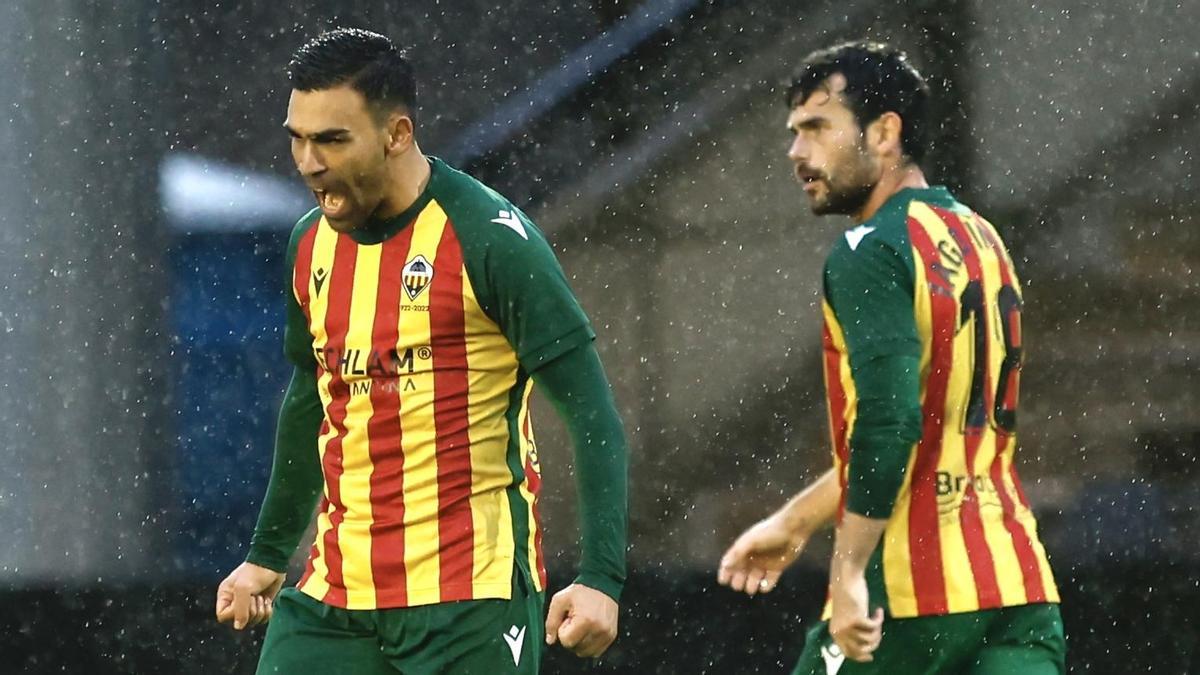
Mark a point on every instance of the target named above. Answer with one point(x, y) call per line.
point(422, 306)
point(937, 566)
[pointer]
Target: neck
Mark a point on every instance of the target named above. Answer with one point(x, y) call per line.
point(893, 180)
point(409, 174)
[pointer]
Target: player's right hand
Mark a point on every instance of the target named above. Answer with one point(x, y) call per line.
point(246, 596)
point(856, 630)
point(755, 561)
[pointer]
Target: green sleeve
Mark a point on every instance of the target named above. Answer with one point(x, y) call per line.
point(577, 387)
point(527, 294)
point(296, 478)
point(870, 290)
point(516, 278)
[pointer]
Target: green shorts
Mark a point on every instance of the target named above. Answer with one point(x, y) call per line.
point(1027, 639)
point(492, 637)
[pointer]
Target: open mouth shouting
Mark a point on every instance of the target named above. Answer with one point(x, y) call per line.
point(333, 204)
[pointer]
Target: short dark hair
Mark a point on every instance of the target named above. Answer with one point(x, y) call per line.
point(366, 61)
point(879, 79)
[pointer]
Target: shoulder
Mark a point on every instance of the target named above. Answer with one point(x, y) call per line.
point(306, 222)
point(302, 227)
point(480, 215)
point(869, 246)
point(883, 240)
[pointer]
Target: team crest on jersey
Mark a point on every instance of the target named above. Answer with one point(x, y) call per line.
point(417, 274)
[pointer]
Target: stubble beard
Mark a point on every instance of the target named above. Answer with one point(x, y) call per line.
point(849, 194)
point(843, 200)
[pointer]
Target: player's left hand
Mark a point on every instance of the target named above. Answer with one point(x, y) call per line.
point(583, 619)
point(852, 626)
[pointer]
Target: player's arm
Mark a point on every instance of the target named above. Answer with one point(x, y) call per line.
point(521, 286)
point(296, 480)
point(855, 629)
point(575, 384)
point(245, 596)
point(755, 561)
point(584, 615)
point(870, 291)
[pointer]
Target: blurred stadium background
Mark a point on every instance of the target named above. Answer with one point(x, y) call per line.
point(147, 192)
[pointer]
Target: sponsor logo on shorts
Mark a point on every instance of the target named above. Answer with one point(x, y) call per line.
point(834, 658)
point(515, 638)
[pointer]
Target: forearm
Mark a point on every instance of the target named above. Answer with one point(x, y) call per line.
point(854, 542)
point(813, 508)
point(577, 387)
point(296, 477)
point(887, 427)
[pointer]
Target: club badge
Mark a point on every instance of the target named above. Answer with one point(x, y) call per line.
point(417, 274)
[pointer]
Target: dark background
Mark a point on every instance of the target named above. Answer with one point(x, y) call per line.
point(148, 193)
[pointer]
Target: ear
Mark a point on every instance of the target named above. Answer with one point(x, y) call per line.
point(399, 133)
point(883, 135)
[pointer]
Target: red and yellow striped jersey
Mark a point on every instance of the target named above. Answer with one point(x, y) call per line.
point(421, 344)
point(961, 536)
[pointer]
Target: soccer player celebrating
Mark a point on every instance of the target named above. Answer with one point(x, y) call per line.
point(422, 307)
point(937, 566)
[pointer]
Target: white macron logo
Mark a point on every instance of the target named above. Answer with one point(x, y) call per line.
point(833, 657)
point(515, 638)
point(510, 220)
point(854, 237)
